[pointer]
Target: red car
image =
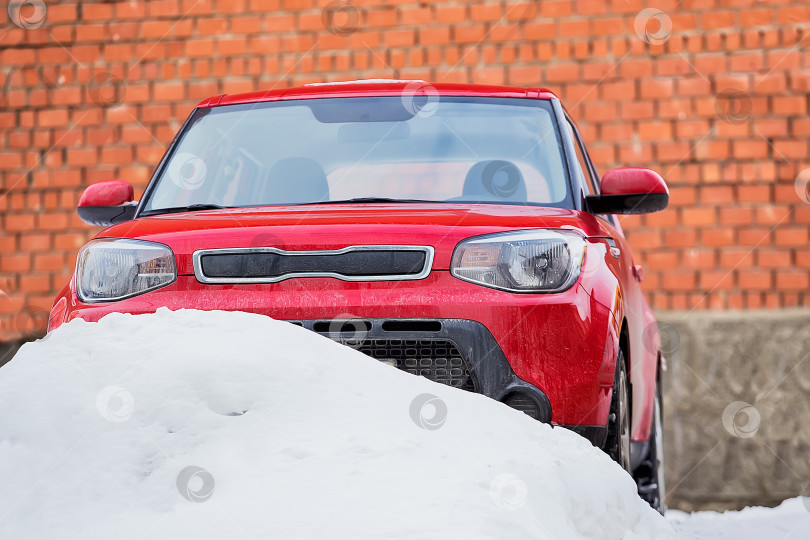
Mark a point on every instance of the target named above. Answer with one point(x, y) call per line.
point(458, 232)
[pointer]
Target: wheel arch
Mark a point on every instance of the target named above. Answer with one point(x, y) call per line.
point(624, 343)
point(624, 346)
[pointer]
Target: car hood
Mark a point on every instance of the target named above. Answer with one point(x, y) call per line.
point(321, 227)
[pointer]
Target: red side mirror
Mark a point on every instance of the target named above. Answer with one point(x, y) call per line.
point(630, 190)
point(107, 203)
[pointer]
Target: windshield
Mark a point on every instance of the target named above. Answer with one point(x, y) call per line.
point(456, 149)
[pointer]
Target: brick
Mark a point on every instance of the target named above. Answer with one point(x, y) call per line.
point(757, 280)
point(15, 263)
point(711, 281)
point(792, 236)
point(733, 200)
point(792, 280)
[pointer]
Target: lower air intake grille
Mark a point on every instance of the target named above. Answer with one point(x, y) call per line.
point(436, 359)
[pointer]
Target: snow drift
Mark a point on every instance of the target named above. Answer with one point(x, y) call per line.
point(230, 425)
point(788, 521)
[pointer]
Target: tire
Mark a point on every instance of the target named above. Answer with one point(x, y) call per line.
point(618, 438)
point(650, 474)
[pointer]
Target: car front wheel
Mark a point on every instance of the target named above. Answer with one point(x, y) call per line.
point(618, 439)
point(650, 474)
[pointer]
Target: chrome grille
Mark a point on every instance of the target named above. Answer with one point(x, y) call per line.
point(354, 263)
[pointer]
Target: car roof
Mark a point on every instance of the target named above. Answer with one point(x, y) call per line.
point(377, 87)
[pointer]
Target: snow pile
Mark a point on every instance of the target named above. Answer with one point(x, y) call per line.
point(217, 425)
point(788, 521)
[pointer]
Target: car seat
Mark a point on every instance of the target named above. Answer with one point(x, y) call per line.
point(494, 180)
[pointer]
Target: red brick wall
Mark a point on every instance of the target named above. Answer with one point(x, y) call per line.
point(712, 93)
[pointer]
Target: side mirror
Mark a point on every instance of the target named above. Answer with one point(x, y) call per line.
point(107, 203)
point(630, 190)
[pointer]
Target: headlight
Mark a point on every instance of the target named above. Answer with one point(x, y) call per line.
point(115, 268)
point(539, 261)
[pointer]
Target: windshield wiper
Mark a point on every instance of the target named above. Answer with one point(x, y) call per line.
point(178, 209)
point(373, 200)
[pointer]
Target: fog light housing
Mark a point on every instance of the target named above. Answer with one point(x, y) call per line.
point(535, 404)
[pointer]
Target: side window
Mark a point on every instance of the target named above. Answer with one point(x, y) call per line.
point(580, 171)
point(590, 181)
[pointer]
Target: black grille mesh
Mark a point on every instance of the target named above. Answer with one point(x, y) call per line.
point(353, 263)
point(436, 359)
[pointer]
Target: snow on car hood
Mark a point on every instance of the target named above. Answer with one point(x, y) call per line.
point(217, 425)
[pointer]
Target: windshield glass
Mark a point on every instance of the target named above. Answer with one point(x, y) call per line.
point(456, 149)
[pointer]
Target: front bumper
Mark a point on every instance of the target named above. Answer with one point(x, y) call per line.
point(559, 345)
point(457, 352)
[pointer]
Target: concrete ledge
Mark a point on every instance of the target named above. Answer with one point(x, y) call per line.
point(736, 407)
